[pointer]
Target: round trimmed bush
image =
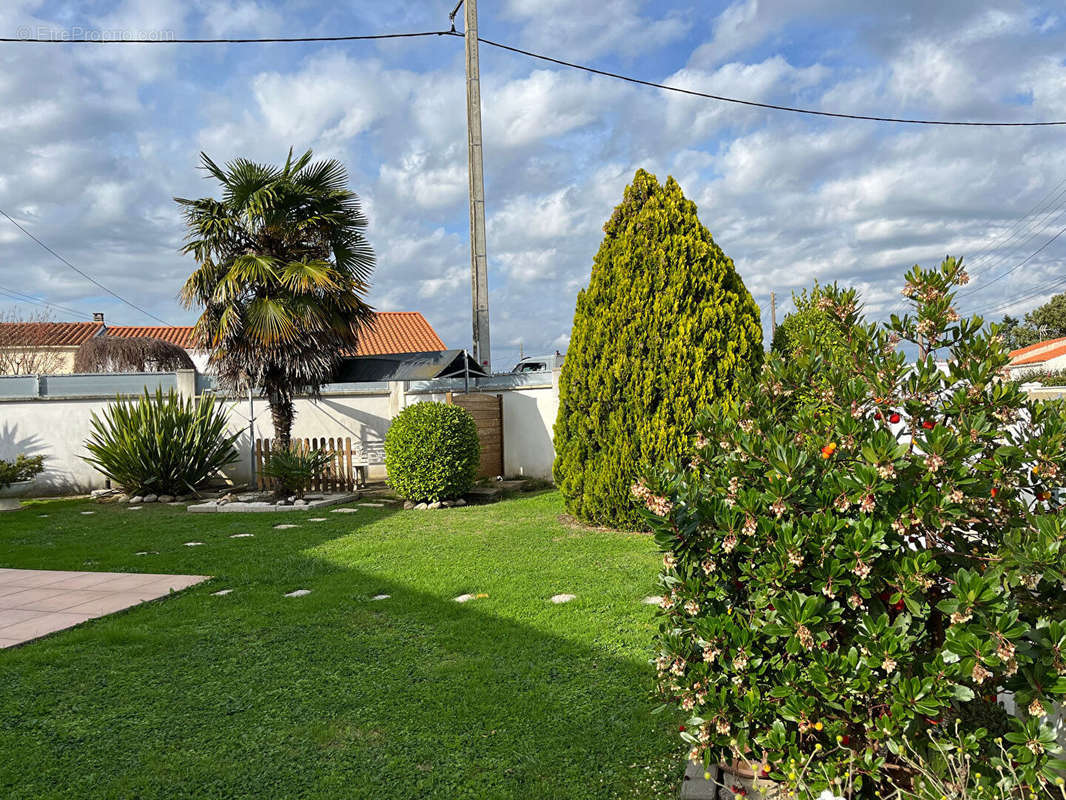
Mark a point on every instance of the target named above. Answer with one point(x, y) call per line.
point(432, 452)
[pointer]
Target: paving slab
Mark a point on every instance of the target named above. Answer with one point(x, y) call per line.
point(36, 602)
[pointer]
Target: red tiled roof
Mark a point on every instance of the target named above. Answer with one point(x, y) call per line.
point(1047, 351)
point(398, 332)
point(47, 334)
point(392, 332)
point(181, 335)
point(1034, 347)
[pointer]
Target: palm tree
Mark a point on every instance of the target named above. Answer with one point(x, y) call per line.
point(283, 267)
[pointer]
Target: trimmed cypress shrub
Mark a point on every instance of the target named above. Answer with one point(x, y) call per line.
point(663, 330)
point(432, 452)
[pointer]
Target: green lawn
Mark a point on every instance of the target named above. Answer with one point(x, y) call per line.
point(335, 695)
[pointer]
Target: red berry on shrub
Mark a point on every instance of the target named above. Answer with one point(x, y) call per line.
point(894, 418)
point(927, 425)
point(994, 491)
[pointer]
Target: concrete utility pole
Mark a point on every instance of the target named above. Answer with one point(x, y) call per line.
point(479, 268)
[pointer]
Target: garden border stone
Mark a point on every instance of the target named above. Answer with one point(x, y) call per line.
point(237, 507)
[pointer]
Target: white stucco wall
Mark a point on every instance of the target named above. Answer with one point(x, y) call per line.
point(55, 429)
point(58, 427)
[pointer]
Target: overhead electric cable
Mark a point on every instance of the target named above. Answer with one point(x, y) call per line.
point(529, 54)
point(771, 106)
point(22, 297)
point(85, 275)
point(1021, 263)
point(250, 40)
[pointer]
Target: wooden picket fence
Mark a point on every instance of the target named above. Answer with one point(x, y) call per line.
point(346, 470)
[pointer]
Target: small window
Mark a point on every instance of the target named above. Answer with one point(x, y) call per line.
point(531, 366)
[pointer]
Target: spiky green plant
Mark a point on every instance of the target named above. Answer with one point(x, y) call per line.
point(161, 443)
point(294, 468)
point(664, 328)
point(283, 266)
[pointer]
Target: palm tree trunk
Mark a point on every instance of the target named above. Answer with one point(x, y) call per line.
point(281, 414)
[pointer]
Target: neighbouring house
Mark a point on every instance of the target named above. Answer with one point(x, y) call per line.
point(393, 333)
point(1047, 356)
point(44, 348)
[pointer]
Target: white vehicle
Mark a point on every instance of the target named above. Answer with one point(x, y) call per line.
point(540, 363)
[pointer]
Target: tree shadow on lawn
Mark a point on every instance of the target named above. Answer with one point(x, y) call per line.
point(332, 695)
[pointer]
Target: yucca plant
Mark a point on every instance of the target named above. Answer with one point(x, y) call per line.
point(161, 443)
point(294, 468)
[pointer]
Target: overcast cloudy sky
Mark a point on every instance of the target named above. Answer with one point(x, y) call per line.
point(95, 141)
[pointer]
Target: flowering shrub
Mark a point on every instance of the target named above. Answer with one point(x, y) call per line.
point(847, 571)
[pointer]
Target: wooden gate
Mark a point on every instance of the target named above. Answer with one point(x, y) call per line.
point(487, 411)
point(343, 473)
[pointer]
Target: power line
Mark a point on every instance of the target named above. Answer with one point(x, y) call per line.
point(1034, 292)
point(541, 57)
point(1024, 261)
point(85, 275)
point(771, 106)
point(253, 40)
point(1017, 227)
point(22, 297)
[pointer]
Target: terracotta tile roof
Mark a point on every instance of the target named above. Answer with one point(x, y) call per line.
point(398, 332)
point(1038, 353)
point(393, 332)
point(47, 334)
point(181, 335)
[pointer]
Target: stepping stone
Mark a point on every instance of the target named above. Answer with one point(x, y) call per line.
point(284, 527)
point(372, 505)
point(242, 535)
point(221, 592)
point(652, 600)
point(87, 513)
point(42, 516)
point(381, 597)
point(134, 508)
point(317, 519)
point(147, 553)
point(344, 511)
point(464, 598)
point(193, 544)
point(563, 598)
point(299, 593)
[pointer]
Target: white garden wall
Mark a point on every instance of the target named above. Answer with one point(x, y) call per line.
point(41, 416)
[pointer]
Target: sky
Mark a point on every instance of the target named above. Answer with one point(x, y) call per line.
point(95, 142)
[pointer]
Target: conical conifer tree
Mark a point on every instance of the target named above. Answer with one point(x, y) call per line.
point(664, 328)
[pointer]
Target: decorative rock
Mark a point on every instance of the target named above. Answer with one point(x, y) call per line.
point(284, 527)
point(421, 506)
point(101, 493)
point(137, 499)
point(300, 502)
point(652, 600)
point(134, 508)
point(122, 498)
point(299, 593)
point(193, 544)
point(344, 511)
point(563, 598)
point(166, 498)
point(151, 498)
point(381, 597)
point(460, 502)
point(242, 535)
point(435, 504)
point(184, 498)
point(464, 598)
point(408, 505)
point(221, 593)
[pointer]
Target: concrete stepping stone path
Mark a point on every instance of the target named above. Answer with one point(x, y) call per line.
point(242, 535)
point(318, 519)
point(299, 593)
point(87, 513)
point(381, 597)
point(563, 598)
point(284, 527)
point(344, 511)
point(221, 593)
point(193, 544)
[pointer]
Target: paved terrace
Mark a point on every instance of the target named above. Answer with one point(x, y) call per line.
point(36, 602)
